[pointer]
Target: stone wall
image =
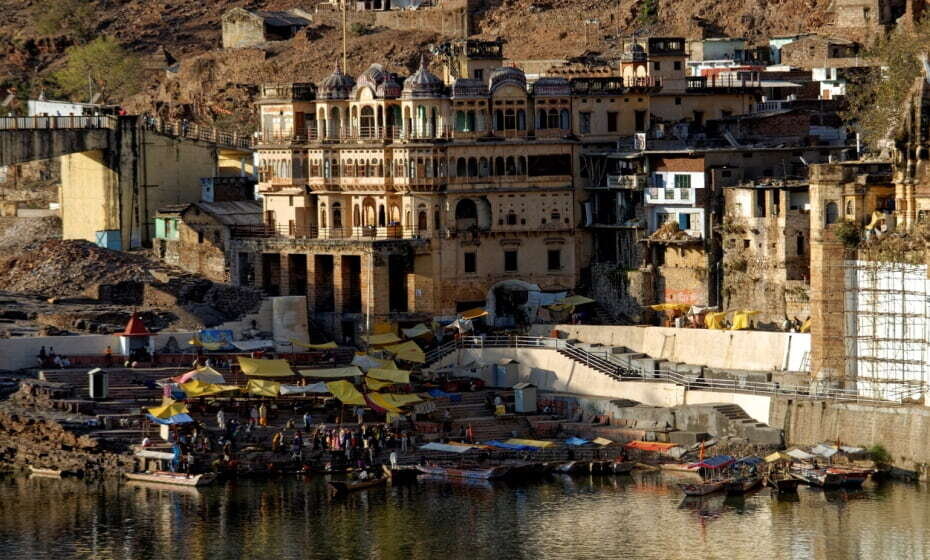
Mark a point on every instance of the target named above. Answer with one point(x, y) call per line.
point(901, 430)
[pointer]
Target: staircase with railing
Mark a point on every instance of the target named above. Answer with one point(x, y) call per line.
point(604, 361)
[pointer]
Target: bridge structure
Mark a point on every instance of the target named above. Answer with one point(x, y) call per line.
point(117, 171)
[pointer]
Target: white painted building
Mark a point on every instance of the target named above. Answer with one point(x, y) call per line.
point(673, 197)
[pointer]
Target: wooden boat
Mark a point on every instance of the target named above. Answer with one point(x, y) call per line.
point(817, 477)
point(621, 467)
point(482, 473)
point(177, 479)
point(569, 467)
point(346, 486)
point(47, 473)
point(400, 474)
point(703, 488)
point(677, 467)
point(742, 485)
point(782, 483)
point(853, 477)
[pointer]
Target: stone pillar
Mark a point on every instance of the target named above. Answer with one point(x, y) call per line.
point(311, 281)
point(337, 283)
point(285, 274)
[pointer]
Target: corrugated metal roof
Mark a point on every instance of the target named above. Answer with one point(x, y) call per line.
point(234, 212)
point(281, 18)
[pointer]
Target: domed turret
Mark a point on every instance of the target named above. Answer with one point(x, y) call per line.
point(336, 86)
point(423, 83)
point(633, 52)
point(508, 75)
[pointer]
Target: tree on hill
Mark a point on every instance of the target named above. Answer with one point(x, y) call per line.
point(878, 101)
point(101, 66)
point(74, 18)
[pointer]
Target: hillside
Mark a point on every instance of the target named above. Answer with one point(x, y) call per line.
point(218, 86)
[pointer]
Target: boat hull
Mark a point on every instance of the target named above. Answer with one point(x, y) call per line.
point(345, 486)
point(453, 472)
point(702, 488)
point(174, 479)
point(742, 485)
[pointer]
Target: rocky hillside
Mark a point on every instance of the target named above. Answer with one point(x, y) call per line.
point(218, 86)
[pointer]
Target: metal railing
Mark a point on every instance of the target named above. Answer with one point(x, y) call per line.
point(50, 123)
point(192, 131)
point(316, 232)
point(604, 362)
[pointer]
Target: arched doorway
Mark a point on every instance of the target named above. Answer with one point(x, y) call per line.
point(466, 214)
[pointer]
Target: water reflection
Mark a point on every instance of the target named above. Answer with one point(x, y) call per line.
point(588, 516)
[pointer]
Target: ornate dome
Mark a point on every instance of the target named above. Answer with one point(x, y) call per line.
point(508, 75)
point(389, 88)
point(423, 83)
point(634, 52)
point(336, 86)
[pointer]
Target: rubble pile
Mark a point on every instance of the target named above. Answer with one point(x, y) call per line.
point(64, 268)
point(212, 303)
point(669, 231)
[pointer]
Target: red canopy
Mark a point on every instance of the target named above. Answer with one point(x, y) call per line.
point(135, 327)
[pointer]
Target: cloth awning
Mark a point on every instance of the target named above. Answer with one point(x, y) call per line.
point(576, 441)
point(324, 346)
point(741, 320)
point(852, 450)
point(304, 389)
point(602, 441)
point(649, 445)
point(531, 442)
point(263, 388)
point(382, 339)
point(416, 331)
point(777, 456)
point(826, 451)
point(576, 300)
point(474, 313)
point(346, 392)
point(715, 462)
point(446, 448)
point(511, 446)
point(205, 374)
point(253, 345)
point(151, 454)
point(408, 351)
point(197, 388)
point(332, 373)
point(173, 420)
point(680, 307)
point(715, 320)
point(211, 346)
point(400, 400)
point(378, 403)
point(367, 362)
point(751, 460)
point(393, 375)
point(798, 454)
point(376, 384)
point(265, 368)
point(167, 409)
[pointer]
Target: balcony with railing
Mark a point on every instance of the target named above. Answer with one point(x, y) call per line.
point(359, 233)
point(720, 84)
point(636, 182)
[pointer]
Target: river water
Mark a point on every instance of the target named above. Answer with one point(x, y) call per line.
point(598, 516)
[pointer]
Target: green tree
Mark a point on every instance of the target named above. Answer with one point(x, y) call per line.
point(648, 13)
point(74, 18)
point(102, 66)
point(878, 99)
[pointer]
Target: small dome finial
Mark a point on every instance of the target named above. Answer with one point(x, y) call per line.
point(423, 61)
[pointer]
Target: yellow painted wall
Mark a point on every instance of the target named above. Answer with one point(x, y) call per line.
point(234, 163)
point(88, 196)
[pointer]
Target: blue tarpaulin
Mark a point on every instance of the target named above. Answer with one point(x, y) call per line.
point(440, 394)
point(176, 419)
point(513, 446)
point(752, 461)
point(577, 441)
point(217, 336)
point(716, 462)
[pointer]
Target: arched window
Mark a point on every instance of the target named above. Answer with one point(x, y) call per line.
point(849, 208)
point(832, 213)
point(499, 166)
point(470, 121)
point(461, 168)
point(521, 165)
point(356, 217)
point(367, 123)
point(337, 215)
point(421, 120)
point(521, 119)
point(436, 219)
point(498, 120)
point(565, 119)
point(407, 218)
point(541, 119)
point(510, 120)
point(511, 167)
point(461, 124)
point(382, 217)
point(323, 215)
point(483, 169)
point(553, 118)
point(472, 167)
point(421, 220)
point(327, 170)
point(466, 214)
point(334, 124)
point(335, 166)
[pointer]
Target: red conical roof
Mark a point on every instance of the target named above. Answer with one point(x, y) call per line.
point(135, 327)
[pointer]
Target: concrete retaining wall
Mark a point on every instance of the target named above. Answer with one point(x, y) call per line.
point(552, 371)
point(20, 353)
point(750, 350)
point(902, 431)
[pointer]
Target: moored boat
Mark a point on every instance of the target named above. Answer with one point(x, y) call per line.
point(177, 479)
point(401, 474)
point(852, 476)
point(782, 483)
point(483, 473)
point(47, 473)
point(621, 467)
point(346, 486)
point(817, 477)
point(742, 485)
point(569, 467)
point(703, 488)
